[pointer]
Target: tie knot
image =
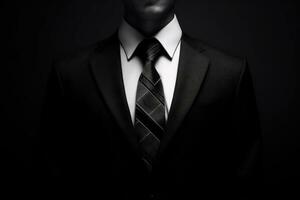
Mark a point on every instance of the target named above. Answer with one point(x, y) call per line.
point(149, 50)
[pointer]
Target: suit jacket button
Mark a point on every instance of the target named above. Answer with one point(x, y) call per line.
point(151, 196)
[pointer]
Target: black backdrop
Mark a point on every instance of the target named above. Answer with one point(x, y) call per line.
point(35, 33)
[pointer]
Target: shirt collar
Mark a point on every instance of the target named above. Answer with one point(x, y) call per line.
point(169, 37)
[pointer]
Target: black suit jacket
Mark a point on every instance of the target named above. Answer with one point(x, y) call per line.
point(210, 149)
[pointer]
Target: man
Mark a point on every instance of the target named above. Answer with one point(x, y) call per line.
point(152, 114)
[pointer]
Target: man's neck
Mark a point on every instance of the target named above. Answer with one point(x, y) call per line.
point(148, 27)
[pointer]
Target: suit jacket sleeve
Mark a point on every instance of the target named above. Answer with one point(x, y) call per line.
point(247, 127)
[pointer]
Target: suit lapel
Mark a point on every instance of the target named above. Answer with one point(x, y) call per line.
point(192, 69)
point(106, 68)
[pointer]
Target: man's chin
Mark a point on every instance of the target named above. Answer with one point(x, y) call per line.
point(153, 12)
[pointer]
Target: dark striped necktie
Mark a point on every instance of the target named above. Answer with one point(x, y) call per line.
point(150, 102)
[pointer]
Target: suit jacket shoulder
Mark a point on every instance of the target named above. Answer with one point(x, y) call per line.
point(221, 61)
point(78, 59)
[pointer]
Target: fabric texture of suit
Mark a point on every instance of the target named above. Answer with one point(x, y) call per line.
point(212, 143)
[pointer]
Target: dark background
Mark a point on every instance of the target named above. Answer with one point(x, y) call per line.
point(34, 33)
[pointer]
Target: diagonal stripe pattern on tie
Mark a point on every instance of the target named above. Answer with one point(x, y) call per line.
point(150, 102)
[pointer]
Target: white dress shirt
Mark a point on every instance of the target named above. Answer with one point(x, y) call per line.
point(170, 38)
